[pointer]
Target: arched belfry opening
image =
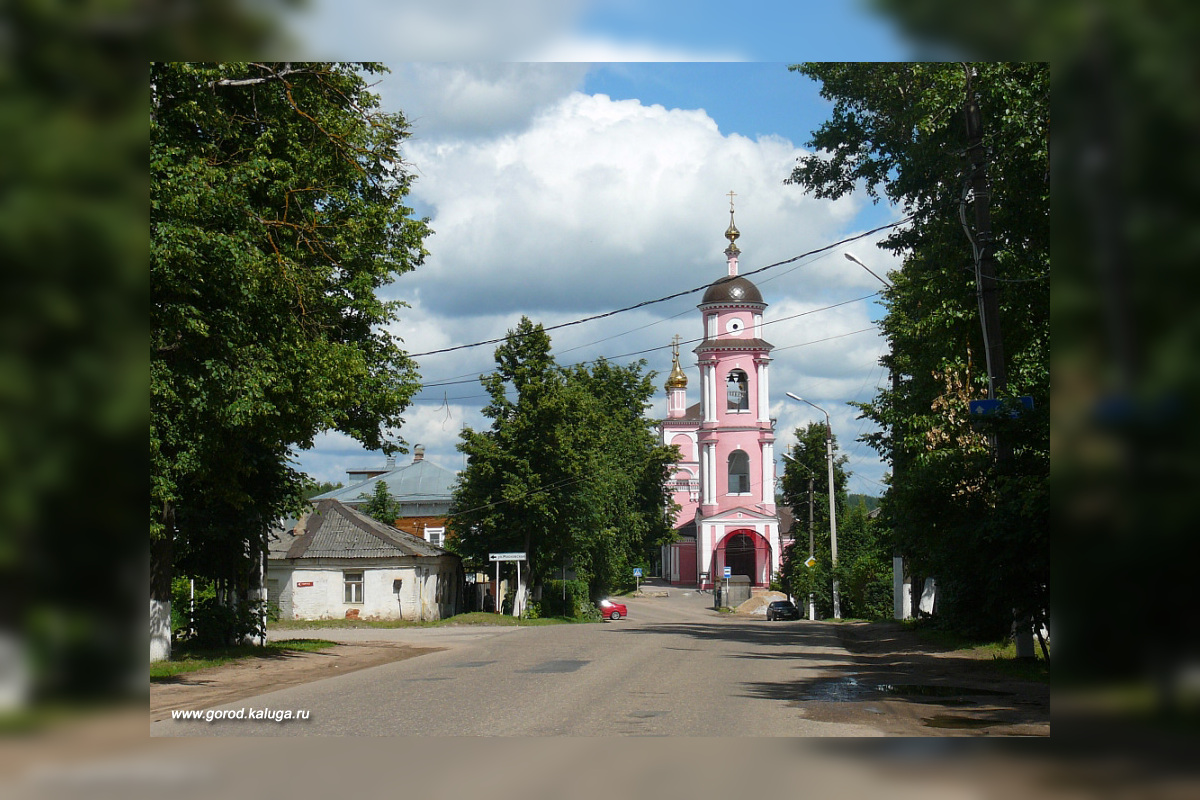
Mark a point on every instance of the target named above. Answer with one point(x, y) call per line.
point(737, 391)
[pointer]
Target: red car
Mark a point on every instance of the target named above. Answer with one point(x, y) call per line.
point(611, 610)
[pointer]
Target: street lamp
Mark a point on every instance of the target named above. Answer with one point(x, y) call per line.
point(854, 258)
point(837, 605)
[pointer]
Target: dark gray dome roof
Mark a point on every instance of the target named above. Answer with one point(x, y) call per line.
point(732, 289)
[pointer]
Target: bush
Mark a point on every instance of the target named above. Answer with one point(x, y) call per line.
point(575, 605)
point(218, 625)
point(866, 587)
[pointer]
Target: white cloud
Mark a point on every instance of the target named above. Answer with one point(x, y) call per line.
point(448, 101)
point(415, 30)
point(602, 203)
point(579, 204)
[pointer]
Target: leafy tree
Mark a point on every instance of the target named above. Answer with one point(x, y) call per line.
point(974, 520)
point(312, 488)
point(569, 471)
point(809, 459)
point(276, 212)
point(380, 505)
point(864, 565)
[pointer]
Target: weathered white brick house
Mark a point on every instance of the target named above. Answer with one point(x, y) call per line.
point(336, 563)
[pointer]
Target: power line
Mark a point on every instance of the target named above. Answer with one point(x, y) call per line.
point(687, 341)
point(645, 303)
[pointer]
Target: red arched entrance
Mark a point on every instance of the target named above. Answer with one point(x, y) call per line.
point(745, 552)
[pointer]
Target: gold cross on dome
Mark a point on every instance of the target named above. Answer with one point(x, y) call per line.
point(675, 346)
point(731, 196)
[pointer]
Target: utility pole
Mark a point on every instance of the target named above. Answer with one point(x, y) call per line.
point(984, 252)
point(812, 605)
point(837, 602)
point(989, 302)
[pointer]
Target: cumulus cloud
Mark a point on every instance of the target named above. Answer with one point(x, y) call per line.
point(414, 30)
point(452, 101)
point(557, 204)
point(603, 203)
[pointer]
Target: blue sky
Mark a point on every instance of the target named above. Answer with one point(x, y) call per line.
point(562, 189)
point(756, 30)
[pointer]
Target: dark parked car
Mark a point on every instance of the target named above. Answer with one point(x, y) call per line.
point(782, 609)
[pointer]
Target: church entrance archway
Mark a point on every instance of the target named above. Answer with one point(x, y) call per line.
point(746, 552)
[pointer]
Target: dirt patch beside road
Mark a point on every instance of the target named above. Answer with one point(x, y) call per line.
point(227, 683)
point(898, 683)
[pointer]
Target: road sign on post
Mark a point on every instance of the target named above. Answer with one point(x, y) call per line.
point(979, 408)
point(729, 572)
point(637, 574)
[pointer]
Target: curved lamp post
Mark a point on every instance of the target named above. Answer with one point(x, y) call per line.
point(837, 605)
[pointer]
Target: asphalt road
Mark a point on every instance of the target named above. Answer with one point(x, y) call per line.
point(674, 667)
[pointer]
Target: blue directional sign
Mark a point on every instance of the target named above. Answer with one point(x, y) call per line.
point(985, 407)
point(729, 572)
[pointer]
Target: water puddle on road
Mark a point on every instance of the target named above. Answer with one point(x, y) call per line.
point(927, 690)
point(842, 690)
point(850, 690)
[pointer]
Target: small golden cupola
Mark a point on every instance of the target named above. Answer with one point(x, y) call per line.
point(677, 379)
point(732, 234)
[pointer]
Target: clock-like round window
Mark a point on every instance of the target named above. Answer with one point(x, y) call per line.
point(734, 325)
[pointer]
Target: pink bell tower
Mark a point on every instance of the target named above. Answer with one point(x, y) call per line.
point(733, 516)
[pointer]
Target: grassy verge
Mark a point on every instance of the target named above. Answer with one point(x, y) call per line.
point(189, 659)
point(471, 618)
point(1003, 654)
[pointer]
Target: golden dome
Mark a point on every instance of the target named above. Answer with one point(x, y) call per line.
point(677, 379)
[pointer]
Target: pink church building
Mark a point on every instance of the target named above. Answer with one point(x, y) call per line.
point(725, 481)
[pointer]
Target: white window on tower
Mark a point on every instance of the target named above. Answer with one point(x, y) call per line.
point(435, 535)
point(354, 586)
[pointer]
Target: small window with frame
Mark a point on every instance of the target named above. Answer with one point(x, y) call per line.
point(354, 586)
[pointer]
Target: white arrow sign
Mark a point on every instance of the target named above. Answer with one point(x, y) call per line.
point(506, 556)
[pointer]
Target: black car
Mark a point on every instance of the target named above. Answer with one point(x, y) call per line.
point(782, 609)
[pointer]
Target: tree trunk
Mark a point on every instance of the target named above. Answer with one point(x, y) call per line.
point(160, 598)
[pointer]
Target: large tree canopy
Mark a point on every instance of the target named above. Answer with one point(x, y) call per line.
point(277, 212)
point(569, 471)
point(976, 521)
